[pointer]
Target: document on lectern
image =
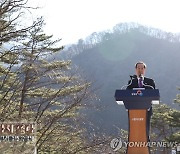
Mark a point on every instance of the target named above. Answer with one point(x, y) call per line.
point(138, 88)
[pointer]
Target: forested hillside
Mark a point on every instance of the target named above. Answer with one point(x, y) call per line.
point(108, 58)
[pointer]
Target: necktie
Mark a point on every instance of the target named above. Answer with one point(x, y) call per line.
point(140, 83)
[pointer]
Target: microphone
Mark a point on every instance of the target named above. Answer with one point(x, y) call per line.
point(141, 76)
point(132, 77)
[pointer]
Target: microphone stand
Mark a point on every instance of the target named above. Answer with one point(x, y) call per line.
point(148, 86)
point(132, 77)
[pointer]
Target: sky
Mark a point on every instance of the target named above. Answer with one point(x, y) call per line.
point(72, 20)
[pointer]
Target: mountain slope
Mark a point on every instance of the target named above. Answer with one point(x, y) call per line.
point(111, 61)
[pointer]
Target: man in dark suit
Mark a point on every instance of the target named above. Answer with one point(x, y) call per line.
point(140, 81)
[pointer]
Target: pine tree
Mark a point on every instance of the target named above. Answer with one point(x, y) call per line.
point(165, 124)
point(36, 89)
point(50, 91)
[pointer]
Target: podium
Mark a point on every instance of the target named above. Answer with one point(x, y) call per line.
point(137, 102)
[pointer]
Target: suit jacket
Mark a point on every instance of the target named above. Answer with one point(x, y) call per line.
point(148, 82)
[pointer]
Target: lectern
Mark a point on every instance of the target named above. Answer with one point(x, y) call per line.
point(137, 102)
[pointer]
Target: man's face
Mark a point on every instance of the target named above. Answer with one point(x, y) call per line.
point(140, 70)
